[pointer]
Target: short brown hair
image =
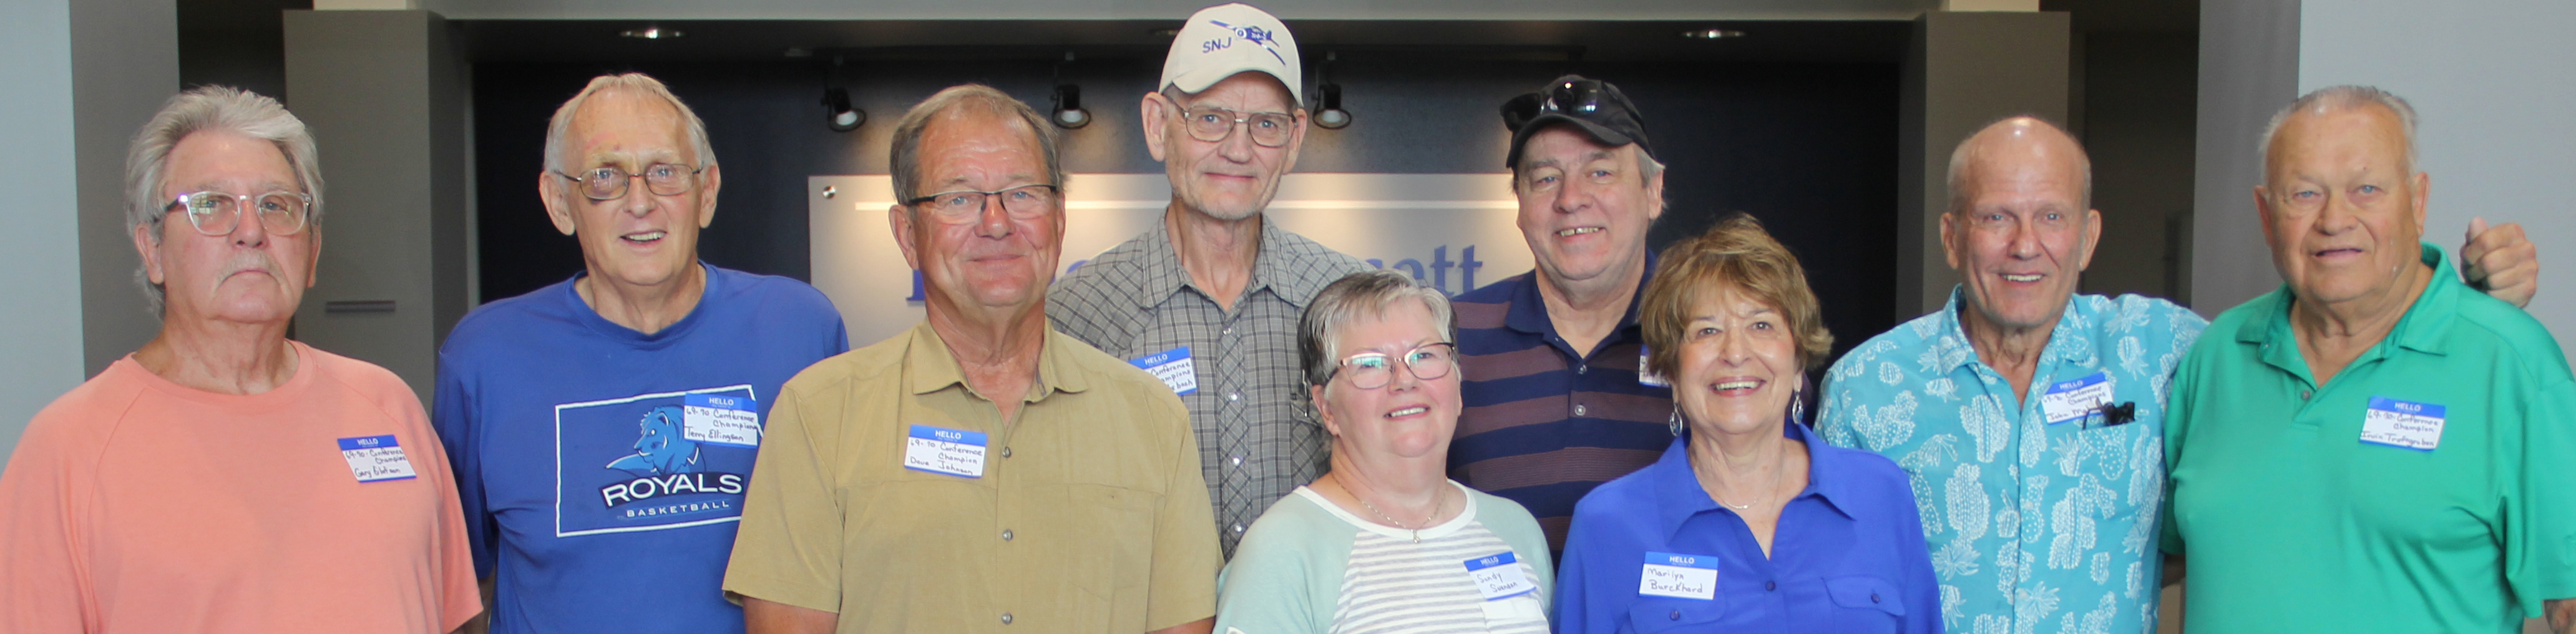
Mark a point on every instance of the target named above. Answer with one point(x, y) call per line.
point(1736, 253)
point(905, 150)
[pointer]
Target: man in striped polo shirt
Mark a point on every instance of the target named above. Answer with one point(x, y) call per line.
point(1555, 400)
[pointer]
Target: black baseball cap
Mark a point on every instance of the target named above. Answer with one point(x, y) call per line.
point(1595, 106)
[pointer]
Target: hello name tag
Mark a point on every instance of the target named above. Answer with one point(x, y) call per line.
point(2074, 400)
point(1679, 576)
point(376, 459)
point(942, 450)
point(1647, 377)
point(1173, 366)
point(731, 421)
point(2405, 424)
point(1499, 577)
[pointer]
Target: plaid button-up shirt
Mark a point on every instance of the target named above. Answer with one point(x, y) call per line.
point(1258, 435)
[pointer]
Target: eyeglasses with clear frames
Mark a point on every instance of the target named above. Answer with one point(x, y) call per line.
point(218, 214)
point(1373, 370)
point(609, 183)
point(962, 206)
point(1213, 124)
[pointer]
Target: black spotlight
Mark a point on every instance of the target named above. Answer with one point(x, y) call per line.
point(1329, 114)
point(1068, 107)
point(838, 113)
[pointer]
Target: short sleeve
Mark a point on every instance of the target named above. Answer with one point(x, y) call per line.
point(788, 547)
point(1183, 588)
point(452, 413)
point(2540, 513)
point(460, 597)
point(2179, 413)
point(1834, 411)
point(42, 586)
point(1268, 588)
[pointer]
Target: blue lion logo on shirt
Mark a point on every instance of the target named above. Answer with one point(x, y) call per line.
point(661, 448)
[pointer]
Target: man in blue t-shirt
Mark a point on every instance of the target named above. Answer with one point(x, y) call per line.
point(602, 429)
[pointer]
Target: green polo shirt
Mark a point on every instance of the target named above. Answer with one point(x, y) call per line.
point(2293, 522)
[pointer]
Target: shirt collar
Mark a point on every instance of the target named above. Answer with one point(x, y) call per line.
point(928, 366)
point(1528, 312)
point(1277, 266)
point(2422, 329)
point(1678, 495)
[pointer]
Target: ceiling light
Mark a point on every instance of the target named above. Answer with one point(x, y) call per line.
point(838, 113)
point(1712, 34)
point(1164, 32)
point(1329, 114)
point(650, 33)
point(1068, 107)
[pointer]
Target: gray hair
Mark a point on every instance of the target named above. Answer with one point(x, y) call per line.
point(1958, 174)
point(637, 83)
point(2344, 97)
point(905, 161)
point(1370, 293)
point(209, 109)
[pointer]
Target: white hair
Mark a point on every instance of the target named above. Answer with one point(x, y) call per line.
point(640, 83)
point(209, 109)
point(2344, 97)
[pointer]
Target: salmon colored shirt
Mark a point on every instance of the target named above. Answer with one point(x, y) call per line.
point(134, 504)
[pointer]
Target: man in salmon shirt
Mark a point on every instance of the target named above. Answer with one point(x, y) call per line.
point(224, 478)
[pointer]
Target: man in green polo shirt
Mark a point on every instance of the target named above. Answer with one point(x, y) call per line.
point(2374, 447)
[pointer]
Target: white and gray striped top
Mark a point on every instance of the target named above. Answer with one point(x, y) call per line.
point(1386, 583)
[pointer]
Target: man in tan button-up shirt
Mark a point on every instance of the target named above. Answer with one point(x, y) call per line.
point(981, 472)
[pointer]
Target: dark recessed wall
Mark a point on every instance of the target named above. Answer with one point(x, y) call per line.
point(1808, 148)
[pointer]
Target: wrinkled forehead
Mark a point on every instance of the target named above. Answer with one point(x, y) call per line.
point(967, 144)
point(619, 124)
point(2365, 136)
point(2024, 170)
point(1564, 146)
point(215, 160)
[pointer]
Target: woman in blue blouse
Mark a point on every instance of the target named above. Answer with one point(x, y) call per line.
point(1744, 522)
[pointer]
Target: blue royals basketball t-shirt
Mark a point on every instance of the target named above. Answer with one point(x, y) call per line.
point(602, 469)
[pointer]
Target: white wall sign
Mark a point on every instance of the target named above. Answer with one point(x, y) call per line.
point(1453, 230)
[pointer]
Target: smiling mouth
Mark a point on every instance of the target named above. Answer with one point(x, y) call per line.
point(1568, 233)
point(1409, 411)
point(2339, 251)
point(2022, 277)
point(643, 237)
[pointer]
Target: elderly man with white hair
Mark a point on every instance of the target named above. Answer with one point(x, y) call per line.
point(604, 427)
point(224, 478)
point(2375, 446)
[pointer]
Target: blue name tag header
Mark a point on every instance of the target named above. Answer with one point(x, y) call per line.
point(368, 442)
point(718, 401)
point(2386, 404)
point(943, 434)
point(1149, 361)
point(1482, 563)
point(1686, 561)
point(2068, 386)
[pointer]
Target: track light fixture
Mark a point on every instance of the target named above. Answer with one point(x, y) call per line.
point(1329, 114)
point(1068, 107)
point(838, 113)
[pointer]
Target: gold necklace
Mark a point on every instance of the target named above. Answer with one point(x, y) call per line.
point(1417, 531)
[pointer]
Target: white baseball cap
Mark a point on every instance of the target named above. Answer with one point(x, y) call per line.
point(1222, 40)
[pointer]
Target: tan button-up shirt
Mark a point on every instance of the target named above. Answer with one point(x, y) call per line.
point(1089, 516)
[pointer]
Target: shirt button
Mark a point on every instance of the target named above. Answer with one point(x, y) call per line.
point(1578, 410)
point(1006, 618)
point(1677, 615)
point(2303, 395)
point(1873, 597)
point(1234, 396)
point(1580, 369)
point(1770, 585)
point(1006, 534)
point(1006, 452)
point(1229, 330)
point(1238, 529)
point(1238, 461)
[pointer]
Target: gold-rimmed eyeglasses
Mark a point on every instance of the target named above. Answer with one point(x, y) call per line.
point(609, 183)
point(1213, 124)
point(1373, 370)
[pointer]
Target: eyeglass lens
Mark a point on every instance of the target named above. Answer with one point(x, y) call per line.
point(609, 183)
point(1023, 202)
point(1211, 124)
point(1372, 371)
point(218, 213)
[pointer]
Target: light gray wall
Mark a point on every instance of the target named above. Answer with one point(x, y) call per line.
point(1966, 70)
point(44, 311)
point(125, 65)
point(1173, 9)
point(2492, 83)
point(385, 96)
point(2249, 67)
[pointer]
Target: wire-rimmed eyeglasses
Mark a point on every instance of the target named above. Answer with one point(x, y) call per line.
point(609, 183)
point(217, 213)
point(1373, 370)
point(962, 206)
point(1213, 124)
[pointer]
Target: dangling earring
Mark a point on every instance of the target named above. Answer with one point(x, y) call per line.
point(1798, 407)
point(1677, 421)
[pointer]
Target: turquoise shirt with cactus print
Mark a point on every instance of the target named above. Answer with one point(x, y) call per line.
point(2034, 526)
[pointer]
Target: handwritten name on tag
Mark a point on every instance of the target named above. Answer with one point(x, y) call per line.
point(1679, 576)
point(376, 458)
point(942, 450)
point(732, 421)
point(2404, 424)
point(2074, 400)
point(1499, 576)
point(1174, 367)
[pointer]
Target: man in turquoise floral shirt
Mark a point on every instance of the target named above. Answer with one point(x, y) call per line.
point(2037, 460)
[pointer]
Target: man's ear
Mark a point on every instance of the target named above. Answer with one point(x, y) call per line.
point(901, 222)
point(1655, 191)
point(1155, 113)
point(2423, 187)
point(2263, 211)
point(1949, 233)
point(550, 190)
point(709, 181)
point(2092, 239)
point(313, 258)
point(149, 246)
